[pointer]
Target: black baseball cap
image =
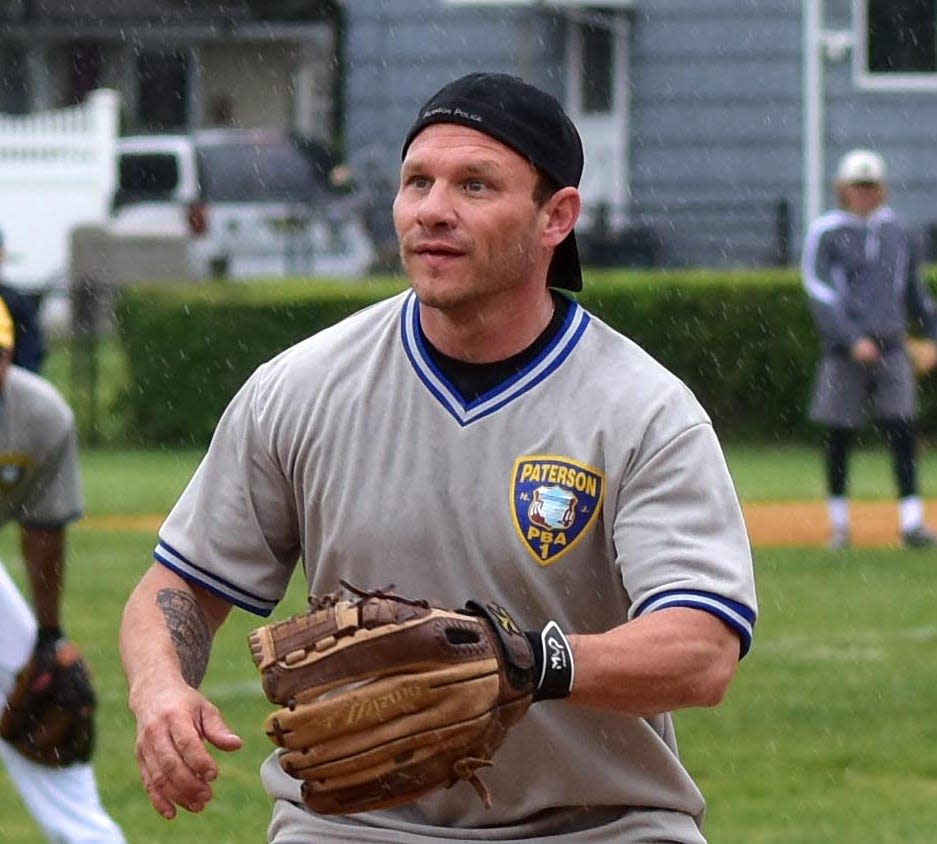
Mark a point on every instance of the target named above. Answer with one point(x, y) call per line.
point(529, 121)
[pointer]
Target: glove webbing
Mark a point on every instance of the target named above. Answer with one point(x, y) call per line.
point(553, 662)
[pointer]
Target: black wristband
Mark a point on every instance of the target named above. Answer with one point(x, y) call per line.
point(554, 670)
point(46, 636)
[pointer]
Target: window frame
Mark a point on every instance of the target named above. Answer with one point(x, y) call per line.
point(870, 81)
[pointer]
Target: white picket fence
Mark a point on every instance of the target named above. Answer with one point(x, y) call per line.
point(57, 170)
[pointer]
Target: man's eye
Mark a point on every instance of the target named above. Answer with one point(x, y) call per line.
point(474, 186)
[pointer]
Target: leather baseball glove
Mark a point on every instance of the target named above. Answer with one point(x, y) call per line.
point(49, 715)
point(923, 354)
point(385, 698)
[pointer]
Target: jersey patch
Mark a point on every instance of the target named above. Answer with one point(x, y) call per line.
point(554, 501)
point(13, 467)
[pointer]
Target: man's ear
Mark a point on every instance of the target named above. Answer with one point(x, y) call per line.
point(561, 211)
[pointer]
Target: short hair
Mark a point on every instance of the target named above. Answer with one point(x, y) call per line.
point(544, 188)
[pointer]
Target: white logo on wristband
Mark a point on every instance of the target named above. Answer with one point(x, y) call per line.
point(558, 659)
point(557, 653)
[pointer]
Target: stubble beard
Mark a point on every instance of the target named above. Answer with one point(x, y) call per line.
point(434, 289)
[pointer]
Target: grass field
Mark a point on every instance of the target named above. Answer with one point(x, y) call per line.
point(827, 734)
point(135, 482)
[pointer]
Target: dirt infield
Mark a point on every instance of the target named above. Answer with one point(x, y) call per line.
point(143, 524)
point(804, 523)
point(770, 524)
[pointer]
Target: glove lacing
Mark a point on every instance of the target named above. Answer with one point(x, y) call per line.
point(465, 769)
point(321, 602)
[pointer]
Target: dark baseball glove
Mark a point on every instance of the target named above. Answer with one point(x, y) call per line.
point(923, 354)
point(386, 698)
point(49, 715)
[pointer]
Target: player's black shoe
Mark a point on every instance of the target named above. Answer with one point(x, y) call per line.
point(919, 537)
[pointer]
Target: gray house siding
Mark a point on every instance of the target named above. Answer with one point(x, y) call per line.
point(902, 125)
point(398, 53)
point(716, 127)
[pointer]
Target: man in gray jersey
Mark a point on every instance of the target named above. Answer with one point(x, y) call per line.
point(479, 436)
point(40, 491)
point(861, 273)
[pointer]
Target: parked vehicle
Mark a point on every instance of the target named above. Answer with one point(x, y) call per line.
point(254, 203)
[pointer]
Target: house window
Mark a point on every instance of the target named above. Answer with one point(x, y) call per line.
point(902, 36)
point(162, 93)
point(598, 59)
point(84, 71)
point(14, 92)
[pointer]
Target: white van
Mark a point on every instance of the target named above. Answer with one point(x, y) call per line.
point(253, 203)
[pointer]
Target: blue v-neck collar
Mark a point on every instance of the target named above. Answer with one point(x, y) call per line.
point(532, 374)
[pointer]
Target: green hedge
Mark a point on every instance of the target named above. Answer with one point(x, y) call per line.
point(743, 341)
point(189, 348)
point(743, 344)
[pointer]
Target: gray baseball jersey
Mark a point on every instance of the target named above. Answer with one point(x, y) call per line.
point(588, 489)
point(39, 476)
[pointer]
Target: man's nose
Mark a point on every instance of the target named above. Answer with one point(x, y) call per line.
point(436, 207)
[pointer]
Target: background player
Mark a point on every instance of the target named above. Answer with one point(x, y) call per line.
point(30, 348)
point(861, 272)
point(40, 490)
point(381, 450)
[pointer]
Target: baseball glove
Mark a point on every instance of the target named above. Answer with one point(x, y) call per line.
point(385, 698)
point(923, 354)
point(49, 715)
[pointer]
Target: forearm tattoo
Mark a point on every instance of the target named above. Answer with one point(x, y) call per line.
point(191, 635)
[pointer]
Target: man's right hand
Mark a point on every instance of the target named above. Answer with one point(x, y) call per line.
point(174, 725)
point(165, 639)
point(865, 351)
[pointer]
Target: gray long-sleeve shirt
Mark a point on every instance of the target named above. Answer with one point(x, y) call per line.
point(862, 280)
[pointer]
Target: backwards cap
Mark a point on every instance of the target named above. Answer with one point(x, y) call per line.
point(529, 121)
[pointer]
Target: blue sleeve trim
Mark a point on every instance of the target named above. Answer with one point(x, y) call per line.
point(738, 616)
point(187, 570)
